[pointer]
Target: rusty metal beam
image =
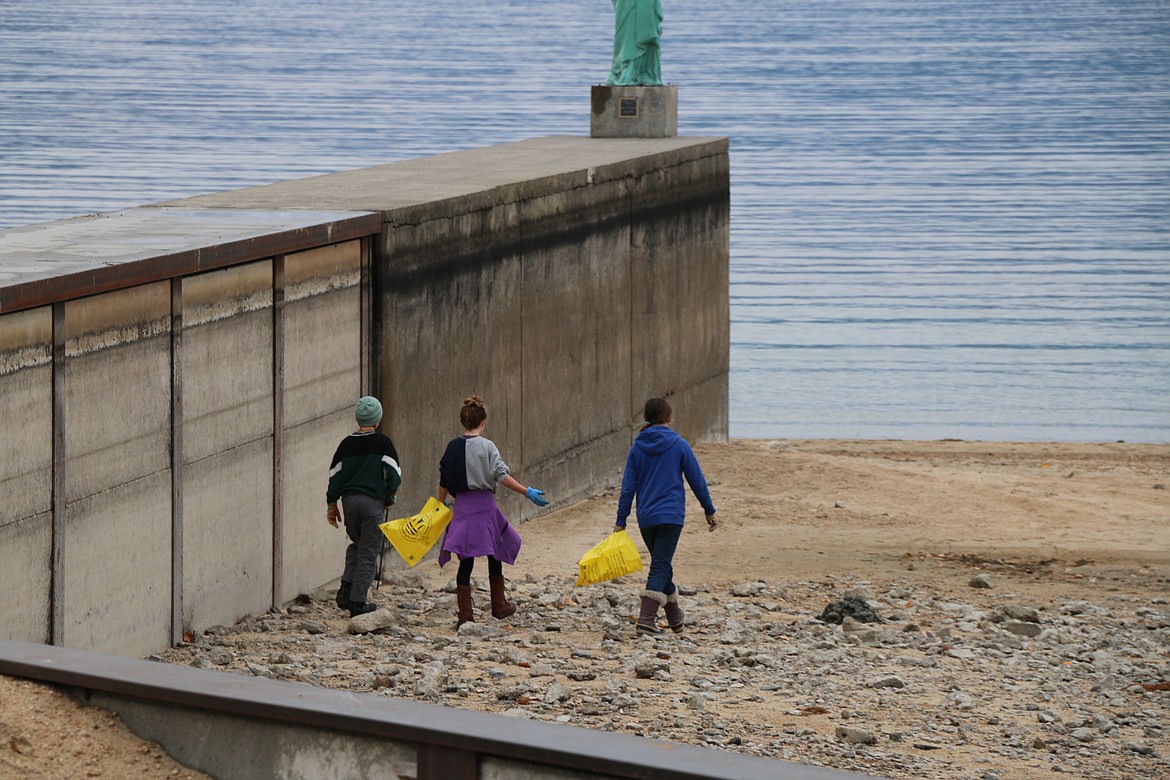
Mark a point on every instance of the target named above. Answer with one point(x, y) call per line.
point(177, 459)
point(112, 268)
point(57, 563)
point(440, 763)
point(277, 431)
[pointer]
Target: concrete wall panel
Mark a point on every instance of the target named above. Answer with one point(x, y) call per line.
point(322, 381)
point(118, 388)
point(314, 551)
point(496, 768)
point(227, 360)
point(227, 536)
point(621, 294)
point(576, 365)
point(26, 415)
point(322, 332)
point(238, 748)
point(26, 553)
point(452, 327)
point(700, 410)
point(26, 473)
point(681, 311)
point(117, 562)
point(117, 545)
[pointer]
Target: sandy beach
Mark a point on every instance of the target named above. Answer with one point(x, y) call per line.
point(1067, 533)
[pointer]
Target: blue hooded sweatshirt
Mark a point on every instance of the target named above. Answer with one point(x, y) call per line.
point(654, 473)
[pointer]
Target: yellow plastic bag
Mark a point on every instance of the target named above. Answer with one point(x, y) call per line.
point(413, 536)
point(613, 557)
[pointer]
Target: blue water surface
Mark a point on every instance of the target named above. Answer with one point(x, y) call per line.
point(949, 219)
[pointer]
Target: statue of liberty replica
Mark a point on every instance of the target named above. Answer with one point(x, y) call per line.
point(633, 102)
point(637, 28)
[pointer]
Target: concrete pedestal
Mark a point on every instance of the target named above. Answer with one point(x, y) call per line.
point(634, 112)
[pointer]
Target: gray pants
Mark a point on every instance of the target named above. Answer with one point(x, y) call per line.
point(363, 515)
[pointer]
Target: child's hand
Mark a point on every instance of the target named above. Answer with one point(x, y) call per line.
point(711, 522)
point(536, 496)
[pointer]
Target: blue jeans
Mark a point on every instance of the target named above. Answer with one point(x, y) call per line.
point(661, 541)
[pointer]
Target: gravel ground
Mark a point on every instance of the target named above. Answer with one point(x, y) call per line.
point(986, 686)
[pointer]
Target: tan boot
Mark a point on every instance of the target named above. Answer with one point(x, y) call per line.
point(674, 614)
point(501, 607)
point(648, 616)
point(463, 599)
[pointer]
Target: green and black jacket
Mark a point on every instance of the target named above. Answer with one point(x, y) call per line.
point(366, 463)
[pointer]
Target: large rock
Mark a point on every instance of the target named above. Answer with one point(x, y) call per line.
point(371, 622)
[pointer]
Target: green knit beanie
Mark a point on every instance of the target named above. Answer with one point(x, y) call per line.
point(368, 411)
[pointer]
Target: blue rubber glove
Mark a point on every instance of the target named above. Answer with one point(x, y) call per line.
point(536, 497)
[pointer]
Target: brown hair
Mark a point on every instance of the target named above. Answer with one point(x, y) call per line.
point(657, 412)
point(473, 412)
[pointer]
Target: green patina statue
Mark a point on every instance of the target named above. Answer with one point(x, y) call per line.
point(637, 28)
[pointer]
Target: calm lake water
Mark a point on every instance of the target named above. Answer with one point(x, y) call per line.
point(949, 219)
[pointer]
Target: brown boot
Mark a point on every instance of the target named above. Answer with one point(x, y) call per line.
point(674, 614)
point(501, 607)
point(463, 599)
point(648, 617)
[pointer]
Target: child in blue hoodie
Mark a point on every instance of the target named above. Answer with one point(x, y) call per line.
point(655, 467)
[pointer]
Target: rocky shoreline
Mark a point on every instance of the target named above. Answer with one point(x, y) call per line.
point(982, 684)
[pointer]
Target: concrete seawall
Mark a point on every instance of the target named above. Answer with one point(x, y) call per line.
point(174, 378)
point(564, 279)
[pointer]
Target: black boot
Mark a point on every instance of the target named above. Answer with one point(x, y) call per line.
point(360, 608)
point(343, 594)
point(648, 617)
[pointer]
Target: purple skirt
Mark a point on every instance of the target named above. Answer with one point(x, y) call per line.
point(479, 528)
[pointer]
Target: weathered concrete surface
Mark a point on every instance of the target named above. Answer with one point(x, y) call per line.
point(313, 551)
point(236, 748)
point(654, 114)
point(322, 381)
point(118, 388)
point(26, 546)
point(492, 768)
point(322, 330)
point(681, 313)
point(226, 361)
point(117, 566)
point(449, 332)
point(227, 535)
point(469, 181)
point(125, 584)
point(26, 459)
point(117, 546)
point(565, 310)
point(564, 279)
point(576, 369)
